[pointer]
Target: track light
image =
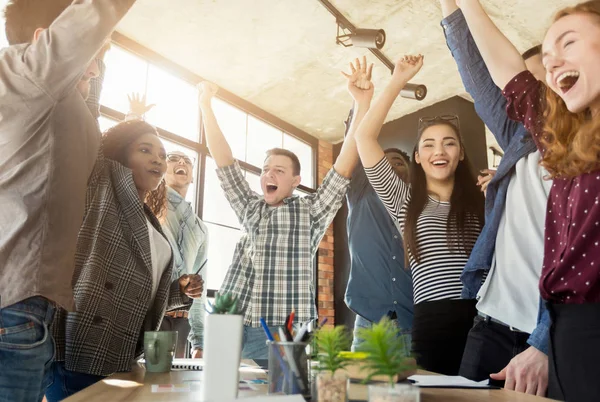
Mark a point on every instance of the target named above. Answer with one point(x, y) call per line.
point(371, 38)
point(414, 91)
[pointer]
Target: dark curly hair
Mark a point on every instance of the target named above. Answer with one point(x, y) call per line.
point(115, 142)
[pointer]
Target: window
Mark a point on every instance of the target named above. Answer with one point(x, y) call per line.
point(233, 125)
point(125, 73)
point(106, 122)
point(176, 102)
point(261, 138)
point(304, 152)
point(177, 117)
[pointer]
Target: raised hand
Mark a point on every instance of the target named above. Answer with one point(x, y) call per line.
point(406, 68)
point(359, 81)
point(137, 105)
point(207, 90)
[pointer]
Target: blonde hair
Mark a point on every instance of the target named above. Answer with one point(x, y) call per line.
point(572, 140)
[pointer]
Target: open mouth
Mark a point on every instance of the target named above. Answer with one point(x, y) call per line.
point(567, 80)
point(180, 171)
point(440, 163)
point(271, 188)
point(155, 172)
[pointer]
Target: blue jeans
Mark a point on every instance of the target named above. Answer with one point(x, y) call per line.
point(362, 322)
point(254, 342)
point(26, 350)
point(66, 383)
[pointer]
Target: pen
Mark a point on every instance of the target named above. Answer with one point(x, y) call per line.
point(291, 321)
point(201, 266)
point(266, 329)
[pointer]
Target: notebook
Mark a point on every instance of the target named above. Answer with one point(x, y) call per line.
point(188, 364)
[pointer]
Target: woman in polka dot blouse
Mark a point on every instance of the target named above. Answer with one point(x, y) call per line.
point(565, 121)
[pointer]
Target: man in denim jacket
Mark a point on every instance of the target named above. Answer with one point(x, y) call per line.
point(509, 339)
point(188, 237)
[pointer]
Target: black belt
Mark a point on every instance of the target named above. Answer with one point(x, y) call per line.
point(489, 319)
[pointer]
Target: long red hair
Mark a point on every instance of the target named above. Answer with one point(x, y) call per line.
point(572, 140)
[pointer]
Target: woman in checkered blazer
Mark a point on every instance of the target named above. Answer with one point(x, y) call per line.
point(122, 280)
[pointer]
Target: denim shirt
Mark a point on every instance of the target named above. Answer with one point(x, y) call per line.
point(379, 282)
point(516, 142)
point(188, 237)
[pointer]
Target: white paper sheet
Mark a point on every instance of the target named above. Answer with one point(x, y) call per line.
point(441, 381)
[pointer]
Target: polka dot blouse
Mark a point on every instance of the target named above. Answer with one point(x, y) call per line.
point(571, 267)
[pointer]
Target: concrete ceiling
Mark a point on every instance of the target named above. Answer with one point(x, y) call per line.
point(281, 54)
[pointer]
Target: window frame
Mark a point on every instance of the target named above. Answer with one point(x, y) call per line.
point(200, 147)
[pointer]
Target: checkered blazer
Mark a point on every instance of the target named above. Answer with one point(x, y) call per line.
point(113, 279)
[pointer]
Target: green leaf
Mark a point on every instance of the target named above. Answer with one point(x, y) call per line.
point(225, 303)
point(385, 350)
point(328, 343)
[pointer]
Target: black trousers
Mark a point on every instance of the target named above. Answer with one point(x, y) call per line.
point(574, 358)
point(182, 326)
point(490, 347)
point(439, 333)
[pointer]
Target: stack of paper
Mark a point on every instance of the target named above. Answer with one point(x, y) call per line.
point(442, 381)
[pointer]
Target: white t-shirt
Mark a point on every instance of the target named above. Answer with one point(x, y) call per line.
point(510, 293)
point(160, 251)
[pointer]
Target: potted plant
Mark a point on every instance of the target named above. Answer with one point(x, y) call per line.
point(332, 382)
point(222, 348)
point(383, 347)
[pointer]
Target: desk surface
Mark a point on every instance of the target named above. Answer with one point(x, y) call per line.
point(137, 386)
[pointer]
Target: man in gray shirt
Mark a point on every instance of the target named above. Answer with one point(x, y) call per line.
point(48, 145)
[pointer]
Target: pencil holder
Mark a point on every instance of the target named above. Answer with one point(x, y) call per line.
point(288, 368)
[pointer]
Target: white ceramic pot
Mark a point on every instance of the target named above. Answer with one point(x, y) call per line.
point(222, 354)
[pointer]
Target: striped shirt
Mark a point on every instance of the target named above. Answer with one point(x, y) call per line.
point(273, 263)
point(437, 275)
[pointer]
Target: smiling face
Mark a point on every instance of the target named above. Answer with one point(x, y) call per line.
point(146, 157)
point(179, 170)
point(571, 56)
point(439, 152)
point(278, 180)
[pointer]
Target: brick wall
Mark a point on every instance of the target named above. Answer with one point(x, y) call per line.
point(325, 254)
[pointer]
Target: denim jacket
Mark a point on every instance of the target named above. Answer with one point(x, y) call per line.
point(516, 142)
point(188, 237)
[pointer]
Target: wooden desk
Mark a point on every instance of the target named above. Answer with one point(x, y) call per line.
point(137, 386)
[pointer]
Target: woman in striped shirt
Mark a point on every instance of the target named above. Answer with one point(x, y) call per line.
point(440, 214)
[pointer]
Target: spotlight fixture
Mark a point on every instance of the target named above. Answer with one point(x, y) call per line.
point(369, 38)
point(373, 39)
point(414, 91)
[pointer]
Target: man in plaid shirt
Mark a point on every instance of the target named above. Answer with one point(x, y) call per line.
point(272, 268)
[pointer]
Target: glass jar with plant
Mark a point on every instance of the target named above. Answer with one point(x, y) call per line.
point(332, 381)
point(383, 346)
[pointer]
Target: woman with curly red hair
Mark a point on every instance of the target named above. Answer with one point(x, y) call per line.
point(565, 121)
point(123, 263)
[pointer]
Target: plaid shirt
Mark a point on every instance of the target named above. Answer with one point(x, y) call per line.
point(272, 270)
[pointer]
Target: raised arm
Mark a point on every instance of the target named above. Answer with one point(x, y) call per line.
point(368, 131)
point(489, 102)
point(57, 60)
point(392, 191)
point(96, 84)
point(361, 89)
point(217, 144)
point(503, 60)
